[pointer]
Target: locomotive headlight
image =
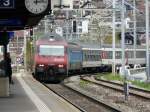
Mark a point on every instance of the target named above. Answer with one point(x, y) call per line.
point(60, 65)
point(41, 65)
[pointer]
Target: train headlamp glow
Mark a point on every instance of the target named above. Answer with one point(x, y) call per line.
point(60, 66)
point(51, 39)
point(41, 65)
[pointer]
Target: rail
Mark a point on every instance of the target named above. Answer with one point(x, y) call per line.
point(119, 87)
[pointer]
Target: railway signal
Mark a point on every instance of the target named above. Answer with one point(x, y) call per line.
point(31, 32)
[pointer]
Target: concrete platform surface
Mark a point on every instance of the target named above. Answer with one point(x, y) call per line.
point(28, 95)
point(18, 101)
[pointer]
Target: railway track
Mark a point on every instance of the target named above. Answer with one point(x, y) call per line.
point(145, 94)
point(132, 87)
point(82, 101)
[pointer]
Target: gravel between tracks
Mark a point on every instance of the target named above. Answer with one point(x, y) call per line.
point(113, 97)
point(84, 103)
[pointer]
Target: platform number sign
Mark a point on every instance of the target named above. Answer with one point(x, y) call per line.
point(6, 4)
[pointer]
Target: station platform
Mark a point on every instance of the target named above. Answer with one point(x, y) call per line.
point(28, 95)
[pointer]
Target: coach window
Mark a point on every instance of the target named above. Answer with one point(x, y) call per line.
point(86, 56)
point(98, 55)
point(109, 55)
point(118, 54)
point(95, 56)
point(140, 54)
point(91, 56)
point(83, 55)
point(129, 54)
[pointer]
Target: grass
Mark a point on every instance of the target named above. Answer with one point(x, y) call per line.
point(108, 39)
point(110, 76)
point(141, 84)
point(83, 83)
point(117, 77)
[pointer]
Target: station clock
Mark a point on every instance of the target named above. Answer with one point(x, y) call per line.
point(36, 6)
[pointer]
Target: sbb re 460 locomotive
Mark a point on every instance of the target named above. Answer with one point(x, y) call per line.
point(54, 57)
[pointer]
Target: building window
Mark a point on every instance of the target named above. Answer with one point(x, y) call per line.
point(80, 23)
point(80, 30)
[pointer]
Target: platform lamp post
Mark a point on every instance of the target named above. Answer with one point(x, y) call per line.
point(34, 35)
point(25, 50)
point(147, 39)
point(126, 88)
point(17, 54)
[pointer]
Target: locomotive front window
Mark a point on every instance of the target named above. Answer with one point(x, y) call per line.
point(52, 50)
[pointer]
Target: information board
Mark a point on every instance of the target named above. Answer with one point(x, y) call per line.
point(7, 4)
point(14, 15)
point(11, 22)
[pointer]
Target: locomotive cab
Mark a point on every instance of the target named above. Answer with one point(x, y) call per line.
point(50, 60)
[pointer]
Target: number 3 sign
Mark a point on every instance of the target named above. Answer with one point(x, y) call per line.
point(4, 4)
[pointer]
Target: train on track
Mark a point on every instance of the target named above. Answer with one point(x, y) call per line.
point(55, 58)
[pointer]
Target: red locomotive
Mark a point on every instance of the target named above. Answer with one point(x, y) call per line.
point(54, 58)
